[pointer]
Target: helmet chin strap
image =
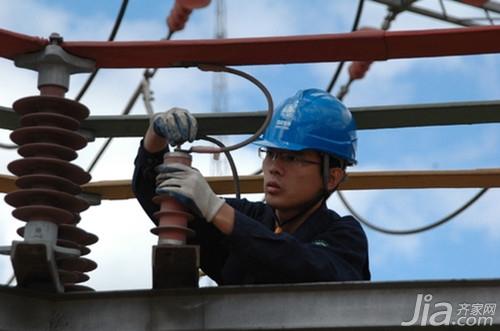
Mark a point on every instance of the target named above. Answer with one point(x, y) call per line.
point(325, 172)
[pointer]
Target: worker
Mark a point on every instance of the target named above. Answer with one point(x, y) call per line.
point(292, 237)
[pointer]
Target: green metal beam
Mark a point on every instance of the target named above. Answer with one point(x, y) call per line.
point(234, 123)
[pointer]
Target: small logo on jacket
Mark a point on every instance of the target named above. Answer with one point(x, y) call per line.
point(321, 243)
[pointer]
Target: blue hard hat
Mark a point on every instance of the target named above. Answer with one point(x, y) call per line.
point(315, 120)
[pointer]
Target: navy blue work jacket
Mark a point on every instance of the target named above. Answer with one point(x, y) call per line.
point(326, 247)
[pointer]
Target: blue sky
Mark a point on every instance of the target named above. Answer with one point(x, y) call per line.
point(465, 248)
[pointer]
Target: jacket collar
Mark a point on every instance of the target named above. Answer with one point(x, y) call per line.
point(316, 223)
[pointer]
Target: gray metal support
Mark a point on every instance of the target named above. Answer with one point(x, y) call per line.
point(327, 306)
point(398, 5)
point(381, 117)
point(54, 64)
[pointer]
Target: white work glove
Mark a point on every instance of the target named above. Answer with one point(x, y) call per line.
point(188, 186)
point(177, 125)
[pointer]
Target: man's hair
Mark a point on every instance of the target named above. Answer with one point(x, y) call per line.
point(335, 162)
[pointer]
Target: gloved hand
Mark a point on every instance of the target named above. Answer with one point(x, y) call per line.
point(177, 125)
point(188, 184)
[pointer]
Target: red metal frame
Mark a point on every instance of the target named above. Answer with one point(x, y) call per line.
point(360, 45)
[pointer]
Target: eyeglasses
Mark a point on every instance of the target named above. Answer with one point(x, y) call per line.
point(289, 158)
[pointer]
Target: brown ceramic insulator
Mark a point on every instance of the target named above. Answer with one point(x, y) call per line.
point(78, 218)
point(78, 238)
point(78, 235)
point(81, 264)
point(80, 277)
point(48, 182)
point(48, 134)
point(41, 212)
point(45, 197)
point(68, 276)
point(37, 104)
point(47, 150)
point(173, 216)
point(84, 250)
point(70, 233)
point(52, 90)
point(49, 166)
point(172, 220)
point(358, 69)
point(194, 4)
point(50, 119)
point(76, 277)
point(77, 288)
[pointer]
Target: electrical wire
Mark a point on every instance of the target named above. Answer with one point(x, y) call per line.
point(443, 9)
point(147, 95)
point(269, 115)
point(8, 146)
point(90, 79)
point(355, 24)
point(232, 165)
point(432, 225)
point(111, 37)
point(125, 111)
point(388, 19)
point(10, 280)
point(488, 16)
point(147, 74)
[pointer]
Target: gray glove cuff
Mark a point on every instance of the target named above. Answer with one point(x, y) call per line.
point(214, 205)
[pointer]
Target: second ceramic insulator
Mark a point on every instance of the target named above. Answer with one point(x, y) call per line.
point(173, 216)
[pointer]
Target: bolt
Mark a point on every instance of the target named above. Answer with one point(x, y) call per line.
point(55, 38)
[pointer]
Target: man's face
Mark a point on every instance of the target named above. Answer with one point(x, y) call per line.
point(291, 178)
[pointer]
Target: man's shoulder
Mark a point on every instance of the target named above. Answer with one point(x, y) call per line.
point(335, 219)
point(254, 209)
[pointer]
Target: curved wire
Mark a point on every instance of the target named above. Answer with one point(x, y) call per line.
point(147, 95)
point(111, 37)
point(386, 24)
point(8, 146)
point(232, 165)
point(433, 225)
point(387, 21)
point(355, 24)
point(10, 280)
point(139, 89)
point(267, 94)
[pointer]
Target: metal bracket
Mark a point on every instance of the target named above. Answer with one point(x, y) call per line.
point(92, 199)
point(54, 64)
point(175, 266)
point(35, 266)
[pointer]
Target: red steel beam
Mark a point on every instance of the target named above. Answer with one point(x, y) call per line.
point(359, 45)
point(13, 44)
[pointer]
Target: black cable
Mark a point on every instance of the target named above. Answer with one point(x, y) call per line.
point(488, 17)
point(8, 146)
point(443, 9)
point(10, 280)
point(147, 73)
point(355, 24)
point(111, 37)
point(267, 120)
point(126, 111)
point(232, 165)
point(433, 225)
point(387, 21)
